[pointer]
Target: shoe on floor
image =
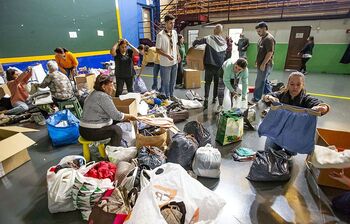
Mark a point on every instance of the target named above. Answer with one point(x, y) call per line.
point(174, 98)
point(39, 118)
point(178, 86)
point(205, 105)
point(196, 96)
point(189, 95)
point(219, 109)
point(214, 101)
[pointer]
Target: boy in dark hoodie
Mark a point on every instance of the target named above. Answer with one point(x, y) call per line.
point(214, 57)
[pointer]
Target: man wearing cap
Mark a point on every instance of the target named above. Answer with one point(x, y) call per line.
point(264, 63)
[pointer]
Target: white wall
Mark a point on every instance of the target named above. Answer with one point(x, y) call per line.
point(324, 31)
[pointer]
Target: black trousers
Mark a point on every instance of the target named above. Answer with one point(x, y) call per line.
point(180, 73)
point(211, 72)
point(303, 64)
point(120, 84)
point(114, 132)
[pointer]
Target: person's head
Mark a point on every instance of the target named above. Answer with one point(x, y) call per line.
point(241, 35)
point(169, 22)
point(180, 39)
point(12, 74)
point(52, 66)
point(218, 29)
point(105, 84)
point(240, 65)
point(60, 51)
point(122, 45)
point(143, 49)
point(261, 29)
point(310, 39)
point(296, 83)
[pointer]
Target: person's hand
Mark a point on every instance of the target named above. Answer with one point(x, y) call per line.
point(262, 67)
point(127, 42)
point(178, 58)
point(171, 58)
point(272, 99)
point(234, 95)
point(129, 117)
point(320, 108)
point(340, 177)
point(139, 75)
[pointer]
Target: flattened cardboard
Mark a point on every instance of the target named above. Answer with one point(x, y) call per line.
point(4, 90)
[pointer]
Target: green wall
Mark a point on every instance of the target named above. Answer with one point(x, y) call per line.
point(325, 58)
point(36, 27)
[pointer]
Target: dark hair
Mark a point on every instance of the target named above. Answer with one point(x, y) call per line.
point(311, 38)
point(241, 62)
point(102, 80)
point(121, 41)
point(60, 50)
point(168, 17)
point(143, 47)
point(10, 73)
point(262, 25)
point(179, 37)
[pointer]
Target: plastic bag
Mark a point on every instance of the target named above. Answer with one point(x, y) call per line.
point(324, 157)
point(197, 129)
point(138, 178)
point(191, 104)
point(59, 186)
point(117, 154)
point(172, 193)
point(207, 161)
point(230, 127)
point(63, 135)
point(139, 85)
point(270, 165)
point(151, 157)
point(182, 150)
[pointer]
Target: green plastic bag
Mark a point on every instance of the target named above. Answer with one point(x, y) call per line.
point(230, 127)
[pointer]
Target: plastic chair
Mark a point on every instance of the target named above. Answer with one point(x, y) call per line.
point(86, 149)
point(72, 105)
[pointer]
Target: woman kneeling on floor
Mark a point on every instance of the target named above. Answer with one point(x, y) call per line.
point(99, 112)
point(294, 94)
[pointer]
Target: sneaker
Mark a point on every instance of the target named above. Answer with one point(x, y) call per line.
point(214, 101)
point(178, 86)
point(205, 105)
point(196, 96)
point(219, 109)
point(39, 118)
point(174, 98)
point(189, 95)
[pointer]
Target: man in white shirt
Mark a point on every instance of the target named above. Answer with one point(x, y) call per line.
point(166, 46)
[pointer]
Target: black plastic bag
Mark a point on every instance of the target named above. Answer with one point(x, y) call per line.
point(182, 150)
point(151, 157)
point(341, 203)
point(197, 129)
point(270, 165)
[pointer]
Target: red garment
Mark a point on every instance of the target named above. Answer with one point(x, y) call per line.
point(103, 170)
point(135, 59)
point(18, 89)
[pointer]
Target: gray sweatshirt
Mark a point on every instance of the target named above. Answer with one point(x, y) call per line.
point(99, 111)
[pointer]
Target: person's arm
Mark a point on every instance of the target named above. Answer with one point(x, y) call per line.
point(178, 54)
point(227, 77)
point(129, 117)
point(113, 50)
point(134, 49)
point(304, 49)
point(108, 106)
point(246, 45)
point(245, 75)
point(46, 82)
point(272, 97)
point(340, 177)
point(199, 42)
point(57, 59)
point(74, 61)
point(25, 76)
point(316, 104)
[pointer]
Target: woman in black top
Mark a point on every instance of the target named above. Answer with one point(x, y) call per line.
point(124, 68)
point(306, 53)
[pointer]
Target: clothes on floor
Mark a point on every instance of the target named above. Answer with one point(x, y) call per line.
point(18, 89)
point(163, 122)
point(59, 84)
point(129, 81)
point(69, 62)
point(114, 132)
point(99, 111)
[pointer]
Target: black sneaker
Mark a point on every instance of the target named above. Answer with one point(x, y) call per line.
point(214, 101)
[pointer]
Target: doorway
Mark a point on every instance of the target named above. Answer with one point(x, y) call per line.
point(146, 22)
point(234, 34)
point(297, 40)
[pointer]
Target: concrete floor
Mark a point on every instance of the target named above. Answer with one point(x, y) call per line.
point(23, 196)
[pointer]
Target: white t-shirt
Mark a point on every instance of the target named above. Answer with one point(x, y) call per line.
point(163, 43)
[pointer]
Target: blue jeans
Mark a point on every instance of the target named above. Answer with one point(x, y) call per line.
point(156, 68)
point(262, 84)
point(270, 144)
point(168, 75)
point(18, 108)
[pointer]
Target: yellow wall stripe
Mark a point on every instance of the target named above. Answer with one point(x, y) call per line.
point(120, 34)
point(49, 57)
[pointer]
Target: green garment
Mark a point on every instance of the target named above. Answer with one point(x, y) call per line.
point(182, 51)
point(229, 74)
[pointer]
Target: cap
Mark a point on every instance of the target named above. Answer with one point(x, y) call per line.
point(261, 25)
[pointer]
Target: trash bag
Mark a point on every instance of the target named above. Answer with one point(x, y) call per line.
point(200, 133)
point(63, 128)
point(182, 150)
point(139, 85)
point(271, 165)
point(151, 157)
point(206, 162)
point(341, 203)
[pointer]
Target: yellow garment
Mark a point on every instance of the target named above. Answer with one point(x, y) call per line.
point(150, 56)
point(69, 62)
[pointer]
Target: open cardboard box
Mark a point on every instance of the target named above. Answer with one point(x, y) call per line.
point(341, 140)
point(85, 81)
point(128, 106)
point(13, 148)
point(192, 78)
point(194, 57)
point(4, 91)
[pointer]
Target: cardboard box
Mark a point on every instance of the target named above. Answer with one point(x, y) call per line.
point(4, 90)
point(192, 78)
point(13, 148)
point(128, 106)
point(85, 81)
point(1, 69)
point(340, 139)
point(194, 58)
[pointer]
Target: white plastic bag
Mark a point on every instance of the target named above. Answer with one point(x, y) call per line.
point(171, 187)
point(191, 104)
point(117, 154)
point(324, 157)
point(206, 162)
point(129, 134)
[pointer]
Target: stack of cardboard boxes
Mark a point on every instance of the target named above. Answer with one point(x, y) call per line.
point(192, 74)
